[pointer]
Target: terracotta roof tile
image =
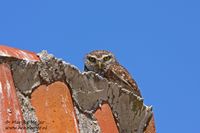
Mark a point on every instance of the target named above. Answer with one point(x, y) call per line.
point(105, 119)
point(10, 110)
point(151, 126)
point(52, 103)
point(53, 106)
point(6, 51)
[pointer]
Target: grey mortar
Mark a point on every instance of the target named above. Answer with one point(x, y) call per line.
point(88, 91)
point(31, 121)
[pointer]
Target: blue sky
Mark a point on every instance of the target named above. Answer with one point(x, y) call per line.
point(157, 41)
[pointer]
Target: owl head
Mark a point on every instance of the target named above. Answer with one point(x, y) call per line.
point(99, 61)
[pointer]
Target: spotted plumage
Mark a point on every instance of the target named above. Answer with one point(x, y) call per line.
point(105, 64)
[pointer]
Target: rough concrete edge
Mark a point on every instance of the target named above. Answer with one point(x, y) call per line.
point(45, 70)
point(28, 75)
point(52, 69)
point(86, 122)
point(31, 121)
point(90, 89)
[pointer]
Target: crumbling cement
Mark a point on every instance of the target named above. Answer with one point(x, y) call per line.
point(87, 122)
point(88, 91)
point(50, 69)
point(25, 75)
point(30, 119)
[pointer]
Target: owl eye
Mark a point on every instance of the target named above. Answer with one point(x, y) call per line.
point(107, 58)
point(92, 59)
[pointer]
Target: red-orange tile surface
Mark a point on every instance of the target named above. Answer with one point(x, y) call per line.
point(10, 110)
point(54, 108)
point(106, 120)
point(17, 53)
point(151, 127)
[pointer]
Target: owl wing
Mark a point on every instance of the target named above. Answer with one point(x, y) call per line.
point(118, 72)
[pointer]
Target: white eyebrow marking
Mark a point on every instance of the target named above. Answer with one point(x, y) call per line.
point(95, 57)
point(100, 58)
point(92, 56)
point(105, 56)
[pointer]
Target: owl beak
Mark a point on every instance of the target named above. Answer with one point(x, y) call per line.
point(99, 65)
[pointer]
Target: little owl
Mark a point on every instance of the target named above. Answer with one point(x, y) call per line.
point(106, 65)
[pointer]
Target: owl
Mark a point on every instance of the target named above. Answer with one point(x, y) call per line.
point(106, 65)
